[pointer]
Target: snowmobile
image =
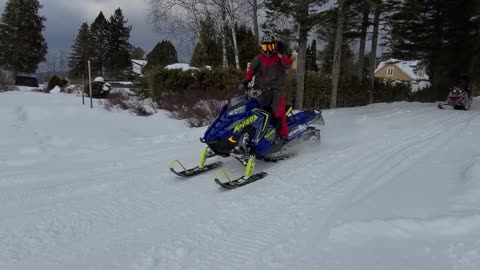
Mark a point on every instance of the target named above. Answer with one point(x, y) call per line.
point(459, 97)
point(246, 131)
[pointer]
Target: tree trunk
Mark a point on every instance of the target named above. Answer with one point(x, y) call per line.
point(224, 34)
point(337, 54)
point(234, 36)
point(373, 56)
point(255, 20)
point(363, 41)
point(235, 46)
point(301, 63)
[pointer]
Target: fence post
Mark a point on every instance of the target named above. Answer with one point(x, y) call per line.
point(90, 83)
point(83, 89)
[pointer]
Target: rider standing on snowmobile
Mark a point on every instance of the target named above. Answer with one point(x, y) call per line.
point(271, 65)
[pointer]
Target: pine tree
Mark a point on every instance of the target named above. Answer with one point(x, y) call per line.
point(208, 48)
point(312, 57)
point(138, 53)
point(118, 55)
point(247, 46)
point(22, 45)
point(438, 32)
point(163, 54)
point(100, 35)
point(81, 51)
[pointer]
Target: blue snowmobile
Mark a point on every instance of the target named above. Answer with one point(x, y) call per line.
point(246, 131)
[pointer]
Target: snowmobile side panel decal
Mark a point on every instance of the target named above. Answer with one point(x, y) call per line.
point(250, 120)
point(266, 119)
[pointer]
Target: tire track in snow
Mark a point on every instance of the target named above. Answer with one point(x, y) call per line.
point(404, 154)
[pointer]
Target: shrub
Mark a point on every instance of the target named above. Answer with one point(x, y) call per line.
point(5, 87)
point(124, 102)
point(388, 91)
point(97, 90)
point(56, 80)
point(195, 107)
point(216, 80)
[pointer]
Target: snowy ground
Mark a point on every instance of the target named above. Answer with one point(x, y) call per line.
point(391, 186)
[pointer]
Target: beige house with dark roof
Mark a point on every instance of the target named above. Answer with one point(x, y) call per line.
point(405, 71)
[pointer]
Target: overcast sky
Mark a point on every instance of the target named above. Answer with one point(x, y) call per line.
point(64, 18)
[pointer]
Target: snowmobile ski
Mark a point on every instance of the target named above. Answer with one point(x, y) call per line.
point(248, 178)
point(202, 167)
point(193, 171)
point(242, 181)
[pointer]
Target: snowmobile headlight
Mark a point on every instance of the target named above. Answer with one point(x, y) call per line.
point(237, 111)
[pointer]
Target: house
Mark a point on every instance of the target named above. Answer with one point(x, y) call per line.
point(138, 65)
point(412, 72)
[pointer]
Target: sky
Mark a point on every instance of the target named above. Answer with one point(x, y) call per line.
point(64, 18)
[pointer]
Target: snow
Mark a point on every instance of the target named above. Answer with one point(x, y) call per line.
point(182, 66)
point(56, 90)
point(391, 186)
point(99, 79)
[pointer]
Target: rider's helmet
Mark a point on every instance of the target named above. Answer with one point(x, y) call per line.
point(269, 44)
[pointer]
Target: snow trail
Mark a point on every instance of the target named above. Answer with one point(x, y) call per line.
point(89, 189)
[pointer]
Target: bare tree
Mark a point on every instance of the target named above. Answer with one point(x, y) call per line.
point(337, 55)
point(180, 18)
point(255, 6)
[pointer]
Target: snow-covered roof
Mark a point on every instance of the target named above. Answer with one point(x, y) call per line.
point(182, 66)
point(139, 62)
point(138, 66)
point(408, 67)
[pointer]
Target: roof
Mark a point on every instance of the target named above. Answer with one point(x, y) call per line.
point(408, 67)
point(139, 62)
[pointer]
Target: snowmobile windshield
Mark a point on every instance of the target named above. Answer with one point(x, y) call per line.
point(236, 105)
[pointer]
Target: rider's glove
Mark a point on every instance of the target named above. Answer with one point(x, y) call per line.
point(242, 88)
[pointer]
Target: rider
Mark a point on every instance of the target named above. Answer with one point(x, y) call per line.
point(271, 65)
point(464, 83)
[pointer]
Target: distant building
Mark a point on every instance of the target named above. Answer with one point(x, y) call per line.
point(138, 65)
point(412, 72)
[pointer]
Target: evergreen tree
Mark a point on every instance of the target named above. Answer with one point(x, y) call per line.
point(312, 57)
point(81, 51)
point(438, 32)
point(118, 54)
point(138, 53)
point(247, 46)
point(22, 45)
point(208, 48)
point(163, 54)
point(100, 38)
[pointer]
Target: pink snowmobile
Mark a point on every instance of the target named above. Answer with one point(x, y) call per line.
point(460, 96)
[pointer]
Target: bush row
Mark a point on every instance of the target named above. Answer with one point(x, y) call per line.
point(220, 84)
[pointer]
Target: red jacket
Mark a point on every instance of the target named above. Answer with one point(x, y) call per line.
point(271, 70)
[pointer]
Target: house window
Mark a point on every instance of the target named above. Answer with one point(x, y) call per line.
point(390, 71)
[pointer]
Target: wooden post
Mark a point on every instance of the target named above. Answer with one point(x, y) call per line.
point(90, 83)
point(83, 89)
